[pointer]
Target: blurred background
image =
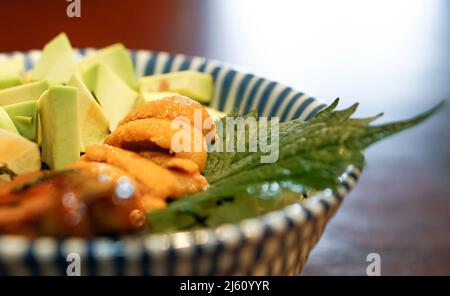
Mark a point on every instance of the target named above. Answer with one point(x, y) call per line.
point(391, 56)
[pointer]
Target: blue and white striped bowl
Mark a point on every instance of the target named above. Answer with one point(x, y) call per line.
point(277, 243)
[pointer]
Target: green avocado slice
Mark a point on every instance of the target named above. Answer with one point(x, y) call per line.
point(195, 85)
point(6, 122)
point(93, 120)
point(115, 97)
point(24, 116)
point(24, 92)
point(117, 58)
point(57, 62)
point(58, 110)
point(11, 72)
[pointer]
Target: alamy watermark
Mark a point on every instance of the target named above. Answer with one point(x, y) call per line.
point(73, 8)
point(232, 134)
point(374, 267)
point(73, 264)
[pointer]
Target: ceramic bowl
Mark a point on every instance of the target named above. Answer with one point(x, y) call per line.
point(277, 243)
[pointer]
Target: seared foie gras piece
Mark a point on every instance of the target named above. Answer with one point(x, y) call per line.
point(72, 202)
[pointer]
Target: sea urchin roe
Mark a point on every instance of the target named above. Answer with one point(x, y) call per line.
point(104, 171)
point(170, 108)
point(110, 189)
point(160, 183)
point(171, 162)
point(156, 179)
point(151, 133)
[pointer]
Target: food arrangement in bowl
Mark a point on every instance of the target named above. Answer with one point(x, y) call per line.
point(150, 163)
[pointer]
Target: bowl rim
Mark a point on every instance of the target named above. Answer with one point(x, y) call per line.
point(319, 204)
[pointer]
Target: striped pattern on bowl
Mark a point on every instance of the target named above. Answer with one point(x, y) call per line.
point(277, 243)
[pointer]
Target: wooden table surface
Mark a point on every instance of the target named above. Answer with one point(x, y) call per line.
point(391, 56)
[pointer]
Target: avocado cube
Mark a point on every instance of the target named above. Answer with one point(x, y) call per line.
point(6, 122)
point(93, 120)
point(195, 85)
point(58, 111)
point(24, 92)
point(11, 73)
point(115, 97)
point(57, 62)
point(115, 57)
point(145, 96)
point(24, 116)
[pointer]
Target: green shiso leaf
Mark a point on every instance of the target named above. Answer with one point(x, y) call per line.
point(313, 155)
